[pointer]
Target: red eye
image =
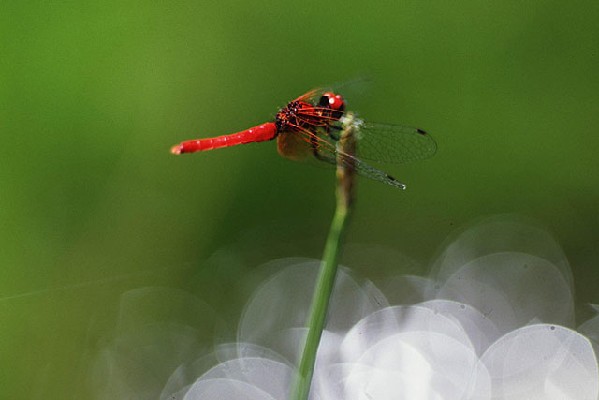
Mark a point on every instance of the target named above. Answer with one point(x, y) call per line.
point(335, 101)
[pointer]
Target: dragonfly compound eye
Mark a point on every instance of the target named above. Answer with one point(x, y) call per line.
point(332, 101)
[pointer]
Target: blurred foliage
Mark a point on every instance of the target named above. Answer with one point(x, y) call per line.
point(92, 95)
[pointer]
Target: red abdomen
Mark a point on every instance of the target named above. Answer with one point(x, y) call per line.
point(258, 133)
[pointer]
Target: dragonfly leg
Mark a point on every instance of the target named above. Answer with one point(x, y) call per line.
point(319, 155)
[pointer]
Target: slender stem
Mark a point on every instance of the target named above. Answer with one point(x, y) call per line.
point(326, 277)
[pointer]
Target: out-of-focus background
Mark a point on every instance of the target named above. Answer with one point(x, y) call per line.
point(92, 96)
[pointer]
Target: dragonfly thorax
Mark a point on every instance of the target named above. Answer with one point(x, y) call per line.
point(300, 114)
point(294, 115)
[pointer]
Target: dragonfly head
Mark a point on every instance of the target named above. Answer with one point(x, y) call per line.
point(334, 102)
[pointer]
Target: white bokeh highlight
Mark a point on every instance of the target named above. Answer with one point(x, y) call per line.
point(493, 321)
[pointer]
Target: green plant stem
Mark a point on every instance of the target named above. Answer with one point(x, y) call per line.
point(326, 277)
point(320, 303)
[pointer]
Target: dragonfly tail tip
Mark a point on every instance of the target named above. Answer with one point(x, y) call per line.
point(177, 149)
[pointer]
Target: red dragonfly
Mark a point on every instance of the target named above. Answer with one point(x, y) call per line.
point(310, 126)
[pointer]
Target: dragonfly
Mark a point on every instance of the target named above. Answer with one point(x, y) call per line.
point(310, 127)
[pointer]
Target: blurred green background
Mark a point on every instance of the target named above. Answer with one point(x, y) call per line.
point(93, 94)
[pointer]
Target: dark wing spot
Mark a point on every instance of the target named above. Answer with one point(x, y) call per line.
point(420, 131)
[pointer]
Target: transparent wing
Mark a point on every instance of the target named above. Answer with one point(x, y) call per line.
point(386, 143)
point(300, 144)
point(394, 143)
point(369, 171)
